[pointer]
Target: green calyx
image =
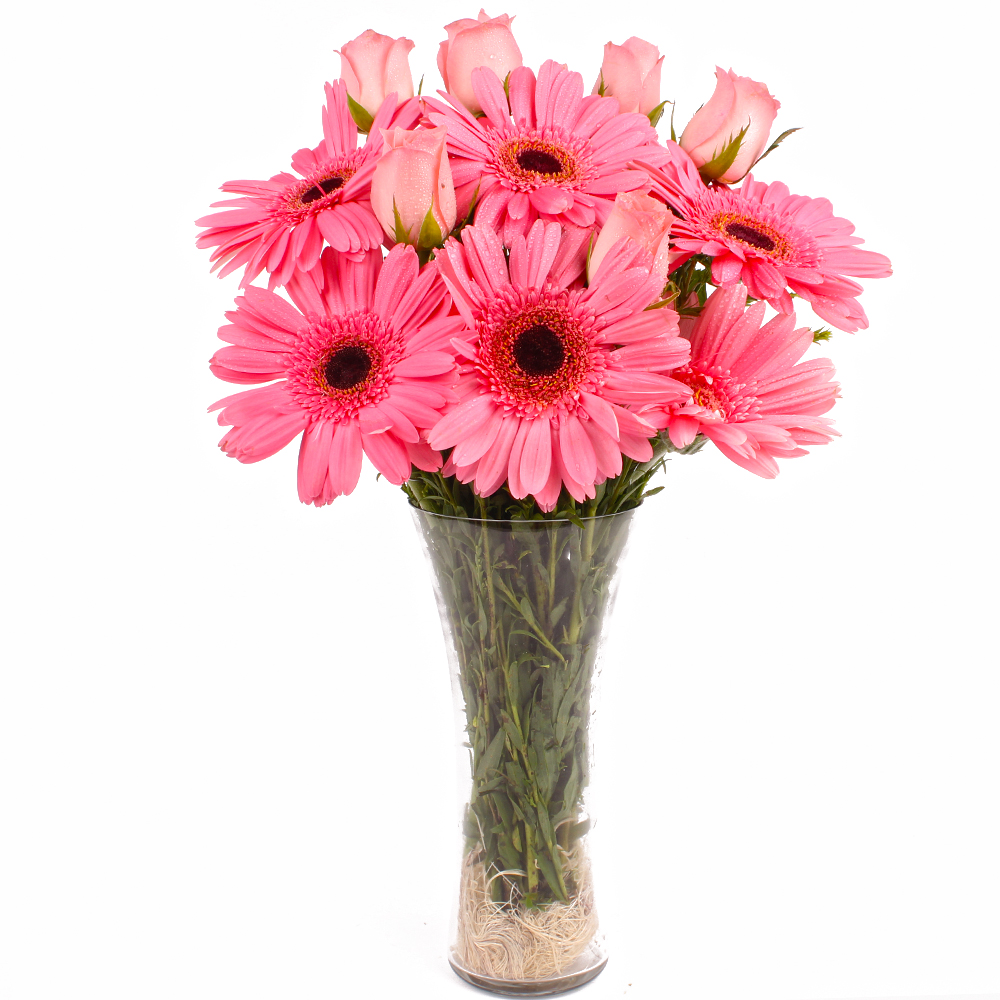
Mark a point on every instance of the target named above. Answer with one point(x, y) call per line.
point(362, 119)
point(724, 159)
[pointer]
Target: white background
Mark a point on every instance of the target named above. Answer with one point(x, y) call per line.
point(225, 726)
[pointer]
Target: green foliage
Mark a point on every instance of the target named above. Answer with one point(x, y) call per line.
point(525, 601)
point(820, 335)
point(687, 290)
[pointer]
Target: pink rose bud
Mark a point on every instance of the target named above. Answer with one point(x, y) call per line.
point(631, 74)
point(738, 103)
point(413, 195)
point(372, 66)
point(643, 219)
point(487, 42)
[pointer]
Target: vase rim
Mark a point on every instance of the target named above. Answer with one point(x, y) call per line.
point(532, 521)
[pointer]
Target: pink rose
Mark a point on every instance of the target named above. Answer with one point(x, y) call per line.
point(413, 179)
point(643, 219)
point(372, 66)
point(630, 73)
point(738, 102)
point(487, 42)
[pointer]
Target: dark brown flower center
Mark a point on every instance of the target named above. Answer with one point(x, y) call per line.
point(347, 367)
point(538, 351)
point(322, 189)
point(748, 235)
point(538, 161)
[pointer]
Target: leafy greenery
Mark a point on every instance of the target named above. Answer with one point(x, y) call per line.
point(687, 290)
point(525, 601)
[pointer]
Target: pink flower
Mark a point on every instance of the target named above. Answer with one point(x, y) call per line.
point(553, 366)
point(738, 103)
point(767, 238)
point(643, 219)
point(364, 365)
point(749, 396)
point(372, 66)
point(280, 224)
point(413, 180)
point(487, 41)
point(630, 74)
point(551, 153)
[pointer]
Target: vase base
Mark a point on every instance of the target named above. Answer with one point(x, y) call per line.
point(530, 987)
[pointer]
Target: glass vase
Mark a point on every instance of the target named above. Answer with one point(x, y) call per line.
point(523, 605)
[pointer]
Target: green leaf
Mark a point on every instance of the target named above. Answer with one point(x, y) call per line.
point(774, 145)
point(724, 159)
point(601, 88)
point(491, 759)
point(362, 119)
point(515, 735)
point(548, 870)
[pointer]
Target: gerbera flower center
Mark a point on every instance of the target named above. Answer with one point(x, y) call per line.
point(324, 187)
point(540, 161)
point(347, 367)
point(543, 158)
point(317, 191)
point(745, 229)
point(750, 235)
point(343, 363)
point(539, 351)
point(719, 392)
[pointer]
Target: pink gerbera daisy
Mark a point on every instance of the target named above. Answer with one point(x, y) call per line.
point(770, 240)
point(548, 152)
point(280, 224)
point(553, 365)
point(749, 396)
point(364, 363)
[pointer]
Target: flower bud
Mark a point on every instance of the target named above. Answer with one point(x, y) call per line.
point(487, 42)
point(643, 219)
point(711, 138)
point(630, 73)
point(372, 66)
point(413, 196)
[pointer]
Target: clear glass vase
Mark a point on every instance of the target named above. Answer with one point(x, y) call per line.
point(523, 605)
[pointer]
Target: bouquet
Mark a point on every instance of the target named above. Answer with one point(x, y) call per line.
point(516, 299)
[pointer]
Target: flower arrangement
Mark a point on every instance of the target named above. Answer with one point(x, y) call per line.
point(516, 299)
